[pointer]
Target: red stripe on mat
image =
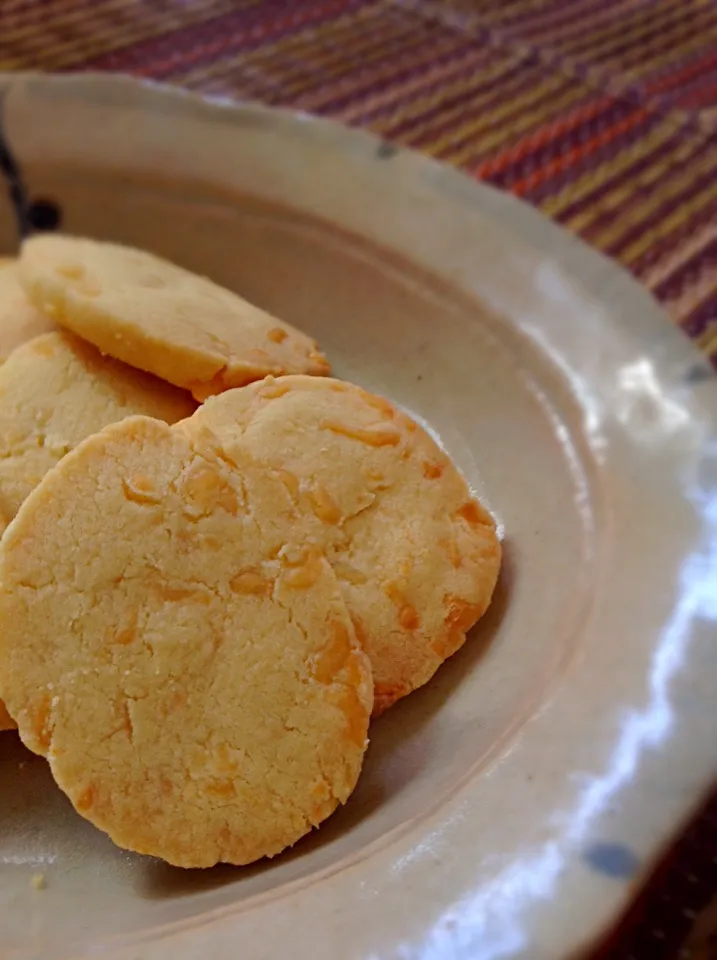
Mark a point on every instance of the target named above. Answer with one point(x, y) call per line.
point(197, 45)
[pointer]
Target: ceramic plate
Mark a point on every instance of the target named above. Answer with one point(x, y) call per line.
point(512, 807)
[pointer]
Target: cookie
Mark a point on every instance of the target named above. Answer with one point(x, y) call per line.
point(19, 320)
point(56, 390)
point(160, 318)
point(190, 672)
point(416, 554)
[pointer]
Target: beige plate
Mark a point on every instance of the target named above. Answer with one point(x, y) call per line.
point(511, 808)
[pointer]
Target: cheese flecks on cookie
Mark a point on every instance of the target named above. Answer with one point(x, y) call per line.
point(19, 320)
point(159, 317)
point(56, 390)
point(190, 670)
point(417, 556)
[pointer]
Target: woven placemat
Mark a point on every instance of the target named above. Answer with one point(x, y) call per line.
point(602, 113)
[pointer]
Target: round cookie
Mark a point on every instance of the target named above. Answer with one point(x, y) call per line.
point(159, 317)
point(416, 555)
point(191, 674)
point(19, 320)
point(56, 390)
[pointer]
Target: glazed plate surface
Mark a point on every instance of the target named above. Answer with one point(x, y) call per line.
point(513, 806)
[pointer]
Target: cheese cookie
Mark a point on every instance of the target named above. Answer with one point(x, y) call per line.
point(56, 390)
point(159, 317)
point(190, 671)
point(417, 556)
point(19, 320)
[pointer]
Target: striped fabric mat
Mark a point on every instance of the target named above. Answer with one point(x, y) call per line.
point(602, 113)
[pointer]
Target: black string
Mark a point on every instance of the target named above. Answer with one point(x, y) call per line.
point(15, 185)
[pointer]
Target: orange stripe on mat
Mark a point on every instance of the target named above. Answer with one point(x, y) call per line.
point(514, 154)
point(575, 154)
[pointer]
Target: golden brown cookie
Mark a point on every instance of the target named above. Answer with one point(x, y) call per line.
point(56, 390)
point(416, 554)
point(191, 674)
point(19, 320)
point(158, 317)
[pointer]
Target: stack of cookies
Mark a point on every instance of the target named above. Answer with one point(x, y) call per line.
point(217, 561)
